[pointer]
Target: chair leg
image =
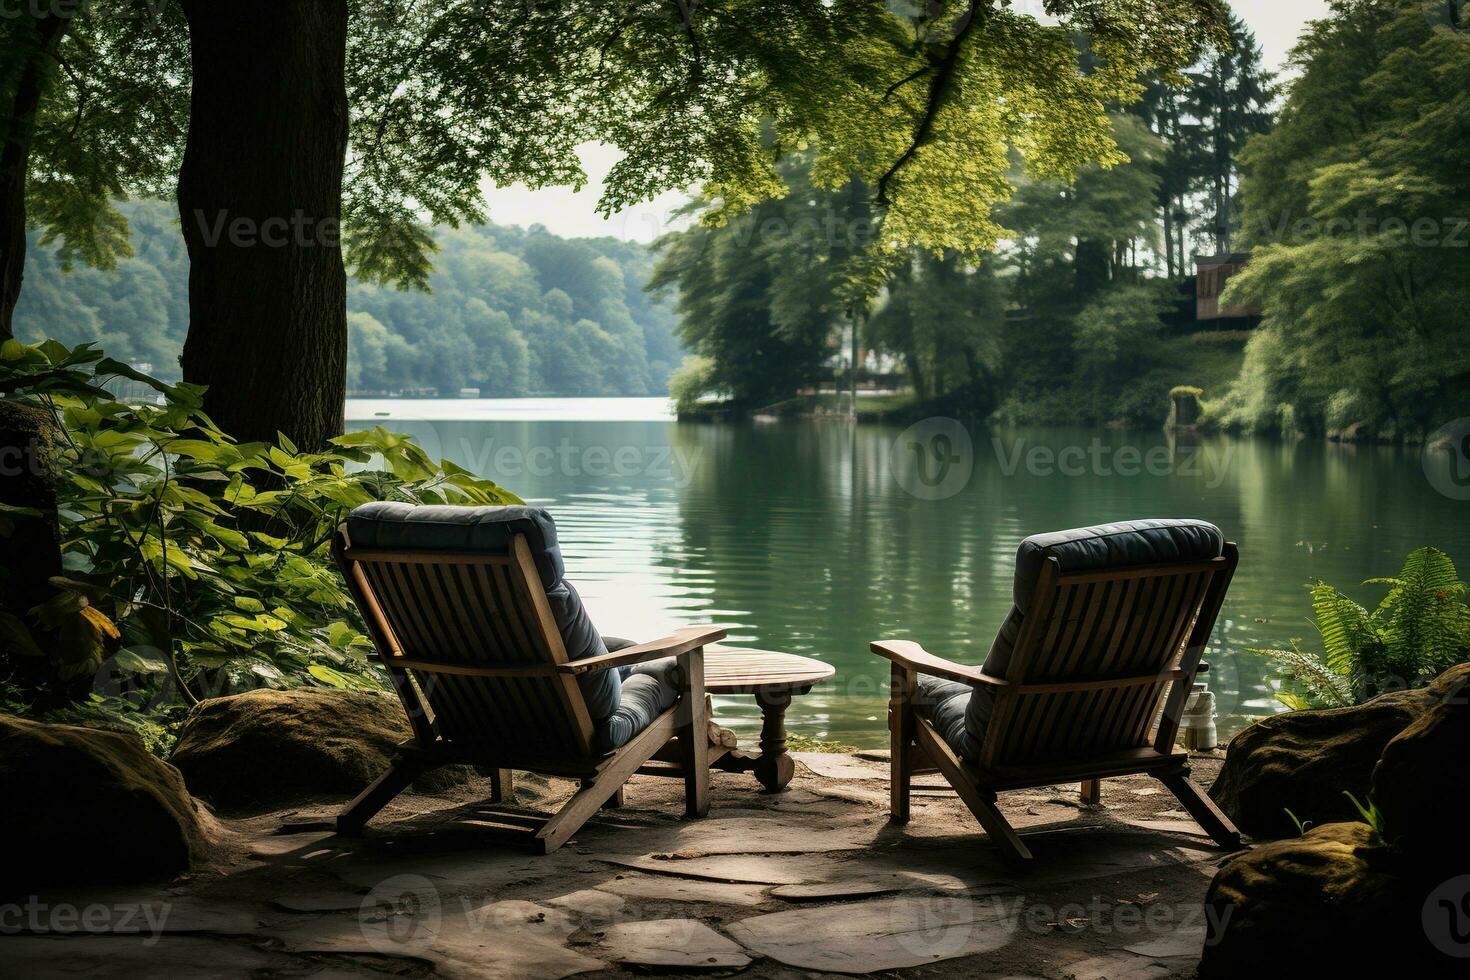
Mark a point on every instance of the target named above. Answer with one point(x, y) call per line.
point(612, 802)
point(900, 742)
point(1203, 810)
point(983, 806)
point(597, 789)
point(351, 821)
point(980, 799)
point(693, 733)
point(1091, 791)
point(570, 818)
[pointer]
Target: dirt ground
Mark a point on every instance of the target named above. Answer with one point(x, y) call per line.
point(809, 882)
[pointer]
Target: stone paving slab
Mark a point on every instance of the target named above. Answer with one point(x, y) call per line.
point(671, 944)
point(667, 888)
point(878, 934)
point(507, 940)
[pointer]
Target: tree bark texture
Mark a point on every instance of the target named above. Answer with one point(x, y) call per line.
point(36, 44)
point(260, 199)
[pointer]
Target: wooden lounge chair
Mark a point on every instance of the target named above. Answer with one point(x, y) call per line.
point(497, 663)
point(1087, 678)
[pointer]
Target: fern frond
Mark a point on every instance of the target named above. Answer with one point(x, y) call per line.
point(1346, 627)
point(1424, 621)
point(1325, 688)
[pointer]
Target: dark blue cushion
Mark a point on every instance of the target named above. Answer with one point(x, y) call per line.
point(1120, 545)
point(489, 530)
point(437, 527)
point(946, 704)
point(648, 690)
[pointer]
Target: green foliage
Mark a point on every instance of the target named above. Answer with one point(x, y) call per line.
point(111, 121)
point(1419, 629)
point(208, 559)
point(448, 96)
point(691, 382)
point(760, 295)
point(945, 319)
point(1355, 205)
point(1371, 815)
point(1203, 122)
point(497, 318)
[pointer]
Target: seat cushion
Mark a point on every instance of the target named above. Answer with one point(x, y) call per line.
point(947, 706)
point(1120, 545)
point(390, 526)
point(648, 690)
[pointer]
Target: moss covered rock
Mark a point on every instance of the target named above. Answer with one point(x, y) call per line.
point(266, 749)
point(1305, 760)
point(82, 806)
point(1331, 903)
point(1422, 782)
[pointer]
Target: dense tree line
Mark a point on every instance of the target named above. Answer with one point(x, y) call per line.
point(508, 311)
point(1358, 208)
point(1064, 320)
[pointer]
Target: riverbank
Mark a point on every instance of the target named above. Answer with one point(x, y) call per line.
point(1037, 396)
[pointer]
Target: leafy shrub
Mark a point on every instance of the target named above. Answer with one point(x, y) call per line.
point(693, 379)
point(207, 561)
point(1421, 628)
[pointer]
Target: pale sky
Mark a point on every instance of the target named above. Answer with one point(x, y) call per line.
point(572, 215)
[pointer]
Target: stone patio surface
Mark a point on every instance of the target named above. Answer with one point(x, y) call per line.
point(810, 882)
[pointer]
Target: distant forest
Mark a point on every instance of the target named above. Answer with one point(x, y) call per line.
point(509, 311)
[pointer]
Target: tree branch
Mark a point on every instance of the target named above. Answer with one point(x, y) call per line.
point(938, 87)
point(686, 18)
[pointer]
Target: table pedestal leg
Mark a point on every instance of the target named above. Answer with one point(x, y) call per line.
point(774, 768)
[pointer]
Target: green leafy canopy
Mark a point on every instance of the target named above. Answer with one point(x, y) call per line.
point(924, 102)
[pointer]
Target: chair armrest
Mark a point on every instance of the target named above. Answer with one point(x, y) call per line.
point(681, 642)
point(906, 653)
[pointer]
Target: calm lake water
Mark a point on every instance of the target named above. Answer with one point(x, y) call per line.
point(817, 537)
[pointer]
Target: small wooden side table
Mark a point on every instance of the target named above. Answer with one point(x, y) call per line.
point(774, 679)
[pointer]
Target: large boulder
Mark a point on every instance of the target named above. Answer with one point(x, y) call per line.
point(1305, 760)
point(266, 749)
point(1422, 781)
point(81, 806)
point(1332, 901)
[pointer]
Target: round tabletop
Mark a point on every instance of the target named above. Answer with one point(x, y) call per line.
point(736, 670)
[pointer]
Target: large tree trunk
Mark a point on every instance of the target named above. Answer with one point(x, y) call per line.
point(260, 198)
point(37, 48)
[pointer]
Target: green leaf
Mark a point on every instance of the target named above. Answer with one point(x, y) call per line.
point(141, 660)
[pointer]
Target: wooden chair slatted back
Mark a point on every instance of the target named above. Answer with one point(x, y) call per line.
point(1103, 658)
point(471, 611)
